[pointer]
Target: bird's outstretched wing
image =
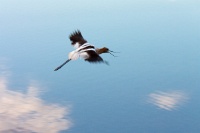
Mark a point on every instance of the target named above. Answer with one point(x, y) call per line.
point(77, 39)
point(95, 58)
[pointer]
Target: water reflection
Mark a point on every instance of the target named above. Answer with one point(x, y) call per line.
point(26, 113)
point(167, 100)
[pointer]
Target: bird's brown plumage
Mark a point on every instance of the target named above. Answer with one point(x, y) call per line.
point(102, 50)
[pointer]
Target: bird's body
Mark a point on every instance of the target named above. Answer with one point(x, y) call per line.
point(84, 50)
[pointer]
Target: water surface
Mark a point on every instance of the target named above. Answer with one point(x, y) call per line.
point(152, 87)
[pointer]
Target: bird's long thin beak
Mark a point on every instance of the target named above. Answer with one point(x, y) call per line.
point(110, 52)
point(113, 51)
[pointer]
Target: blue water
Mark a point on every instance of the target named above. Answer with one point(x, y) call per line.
point(159, 50)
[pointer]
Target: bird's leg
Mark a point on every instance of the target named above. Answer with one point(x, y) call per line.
point(62, 65)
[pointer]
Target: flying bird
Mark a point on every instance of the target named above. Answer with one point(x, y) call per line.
point(84, 50)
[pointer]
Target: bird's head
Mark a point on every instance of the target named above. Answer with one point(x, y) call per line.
point(105, 50)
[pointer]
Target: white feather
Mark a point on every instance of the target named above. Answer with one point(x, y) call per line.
point(74, 55)
point(84, 55)
point(76, 45)
point(89, 49)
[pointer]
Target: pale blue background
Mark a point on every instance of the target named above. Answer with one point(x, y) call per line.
point(159, 45)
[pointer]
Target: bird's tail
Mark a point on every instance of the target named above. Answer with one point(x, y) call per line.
point(62, 65)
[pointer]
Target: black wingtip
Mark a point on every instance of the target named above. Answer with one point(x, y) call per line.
point(76, 32)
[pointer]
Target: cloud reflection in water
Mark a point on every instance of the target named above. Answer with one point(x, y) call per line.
point(26, 113)
point(167, 100)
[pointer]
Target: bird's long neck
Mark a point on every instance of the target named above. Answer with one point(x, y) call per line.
point(99, 50)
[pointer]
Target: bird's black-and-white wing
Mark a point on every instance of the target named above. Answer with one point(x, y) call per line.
point(77, 39)
point(94, 57)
